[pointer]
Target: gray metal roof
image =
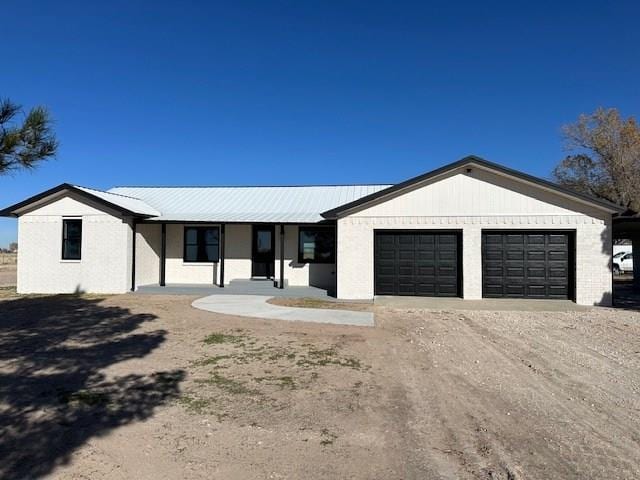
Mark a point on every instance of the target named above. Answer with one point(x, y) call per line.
point(129, 203)
point(298, 204)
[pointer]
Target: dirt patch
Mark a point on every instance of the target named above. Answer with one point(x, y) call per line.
point(147, 387)
point(320, 303)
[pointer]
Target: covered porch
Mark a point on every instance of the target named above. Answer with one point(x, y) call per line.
point(234, 258)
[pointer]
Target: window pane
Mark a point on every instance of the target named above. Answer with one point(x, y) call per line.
point(73, 228)
point(212, 253)
point(191, 236)
point(211, 236)
point(309, 250)
point(71, 250)
point(264, 241)
point(71, 239)
point(201, 244)
point(317, 245)
point(191, 253)
point(324, 245)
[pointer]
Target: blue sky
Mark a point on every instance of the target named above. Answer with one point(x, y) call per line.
point(269, 92)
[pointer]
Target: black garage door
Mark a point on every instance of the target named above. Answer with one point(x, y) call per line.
point(527, 264)
point(421, 263)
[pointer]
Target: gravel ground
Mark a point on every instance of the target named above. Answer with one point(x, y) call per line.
point(146, 387)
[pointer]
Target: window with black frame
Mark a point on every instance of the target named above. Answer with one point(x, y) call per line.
point(201, 244)
point(317, 245)
point(71, 239)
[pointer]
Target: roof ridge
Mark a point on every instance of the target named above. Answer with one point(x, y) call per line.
point(110, 193)
point(253, 186)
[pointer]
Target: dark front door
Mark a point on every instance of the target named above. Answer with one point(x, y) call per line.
point(527, 264)
point(263, 251)
point(420, 262)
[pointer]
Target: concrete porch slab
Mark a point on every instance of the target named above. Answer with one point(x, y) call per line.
point(236, 287)
point(256, 306)
point(493, 304)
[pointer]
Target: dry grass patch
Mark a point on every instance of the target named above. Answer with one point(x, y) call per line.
point(249, 379)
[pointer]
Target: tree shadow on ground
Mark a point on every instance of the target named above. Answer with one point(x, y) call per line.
point(53, 396)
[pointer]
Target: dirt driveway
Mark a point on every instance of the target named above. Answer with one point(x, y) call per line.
point(146, 387)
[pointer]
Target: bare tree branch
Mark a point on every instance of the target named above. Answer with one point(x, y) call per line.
point(605, 159)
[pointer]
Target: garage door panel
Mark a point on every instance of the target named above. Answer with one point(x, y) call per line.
point(387, 255)
point(558, 239)
point(426, 271)
point(425, 290)
point(494, 272)
point(493, 255)
point(556, 256)
point(527, 265)
point(558, 290)
point(493, 290)
point(448, 291)
point(416, 263)
point(447, 239)
point(514, 271)
point(536, 256)
point(446, 270)
point(535, 239)
point(536, 272)
point(493, 238)
point(448, 257)
point(558, 272)
point(515, 239)
point(536, 291)
point(515, 255)
point(386, 271)
point(425, 255)
point(513, 290)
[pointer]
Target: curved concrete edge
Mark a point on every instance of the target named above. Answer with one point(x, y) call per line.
point(256, 306)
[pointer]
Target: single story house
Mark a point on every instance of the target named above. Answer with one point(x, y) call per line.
point(471, 229)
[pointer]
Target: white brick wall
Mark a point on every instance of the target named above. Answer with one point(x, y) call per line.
point(148, 245)
point(470, 201)
point(105, 266)
point(593, 242)
point(179, 271)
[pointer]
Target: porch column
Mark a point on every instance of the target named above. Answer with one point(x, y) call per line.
point(133, 256)
point(222, 232)
point(281, 255)
point(163, 255)
point(635, 247)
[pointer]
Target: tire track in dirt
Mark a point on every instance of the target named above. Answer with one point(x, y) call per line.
point(489, 413)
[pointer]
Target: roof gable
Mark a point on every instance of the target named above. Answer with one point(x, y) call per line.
point(125, 205)
point(467, 162)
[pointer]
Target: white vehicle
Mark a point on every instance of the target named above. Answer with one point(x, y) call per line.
point(623, 264)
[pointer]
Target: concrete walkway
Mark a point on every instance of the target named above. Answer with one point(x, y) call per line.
point(257, 306)
point(494, 304)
